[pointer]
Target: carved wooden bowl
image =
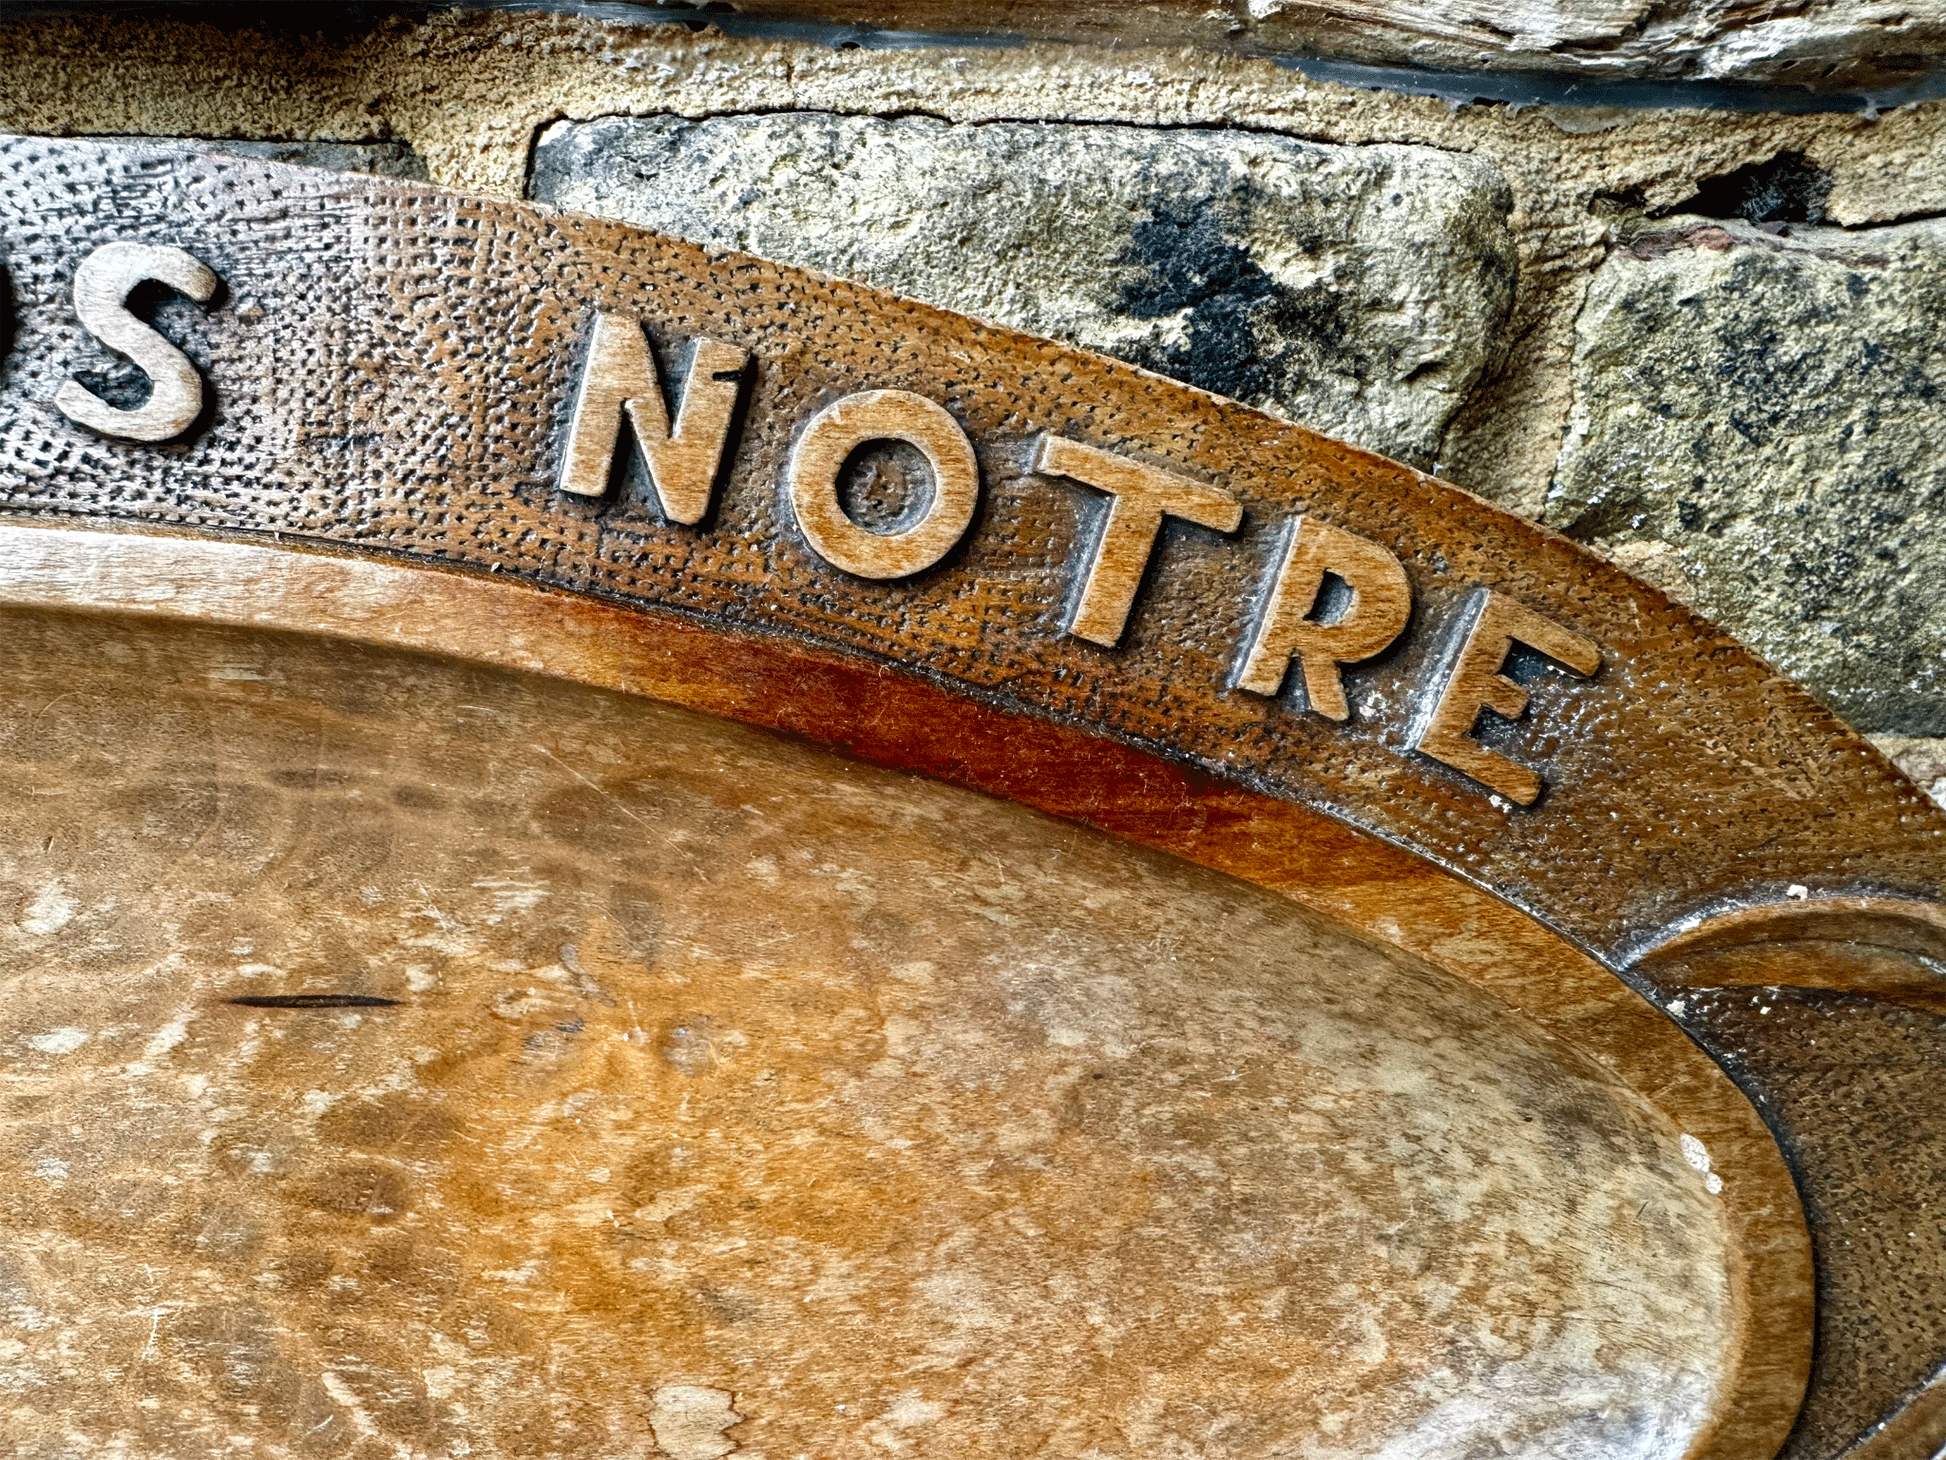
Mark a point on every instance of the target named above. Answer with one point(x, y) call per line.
point(519, 948)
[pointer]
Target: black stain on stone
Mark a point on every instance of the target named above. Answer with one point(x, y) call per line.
point(1787, 188)
point(1248, 336)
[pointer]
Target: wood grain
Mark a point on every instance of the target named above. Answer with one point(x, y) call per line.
point(407, 1055)
point(1385, 893)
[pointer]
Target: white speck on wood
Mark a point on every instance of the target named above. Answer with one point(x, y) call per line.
point(50, 911)
point(65, 1040)
point(689, 1420)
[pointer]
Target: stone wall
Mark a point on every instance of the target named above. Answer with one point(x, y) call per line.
point(1701, 341)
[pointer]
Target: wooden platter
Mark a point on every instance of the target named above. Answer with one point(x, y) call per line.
point(621, 849)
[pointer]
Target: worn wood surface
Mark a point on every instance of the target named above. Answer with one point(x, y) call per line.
point(392, 371)
point(409, 1057)
point(1834, 1015)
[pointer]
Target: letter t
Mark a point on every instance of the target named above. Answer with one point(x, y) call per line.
point(1141, 496)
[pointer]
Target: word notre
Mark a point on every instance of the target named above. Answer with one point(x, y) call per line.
point(1336, 598)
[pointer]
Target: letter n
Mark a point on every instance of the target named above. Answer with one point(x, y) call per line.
point(620, 376)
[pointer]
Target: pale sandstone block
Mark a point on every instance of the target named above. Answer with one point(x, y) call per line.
point(1757, 419)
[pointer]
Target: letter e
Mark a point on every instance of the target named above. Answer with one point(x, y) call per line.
point(1476, 681)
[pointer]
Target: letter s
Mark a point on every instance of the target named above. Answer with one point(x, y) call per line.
point(101, 288)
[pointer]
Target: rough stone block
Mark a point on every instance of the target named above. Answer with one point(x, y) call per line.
point(1756, 423)
point(1920, 758)
point(1361, 290)
point(1821, 45)
point(1817, 45)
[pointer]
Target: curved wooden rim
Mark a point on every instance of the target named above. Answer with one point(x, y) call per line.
point(376, 400)
point(1904, 924)
point(892, 718)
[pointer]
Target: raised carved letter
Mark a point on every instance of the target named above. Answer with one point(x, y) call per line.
point(620, 376)
point(1381, 602)
point(819, 459)
point(101, 288)
point(1475, 682)
point(1142, 496)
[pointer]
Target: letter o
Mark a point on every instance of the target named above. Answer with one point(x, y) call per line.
point(883, 415)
